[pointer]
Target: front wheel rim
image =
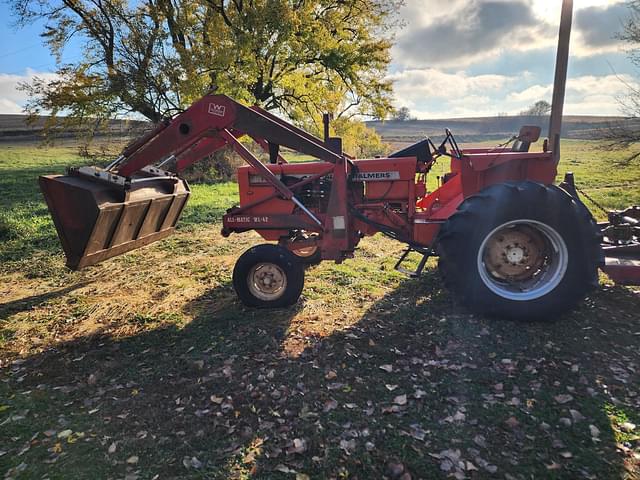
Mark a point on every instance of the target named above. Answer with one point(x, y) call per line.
point(267, 281)
point(522, 260)
point(305, 252)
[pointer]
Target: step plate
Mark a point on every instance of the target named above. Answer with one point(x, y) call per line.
point(623, 271)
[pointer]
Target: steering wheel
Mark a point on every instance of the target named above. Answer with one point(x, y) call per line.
point(450, 139)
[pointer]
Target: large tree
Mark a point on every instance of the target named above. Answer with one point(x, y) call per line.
point(154, 57)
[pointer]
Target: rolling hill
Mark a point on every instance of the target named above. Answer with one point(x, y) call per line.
point(476, 129)
point(491, 128)
point(17, 128)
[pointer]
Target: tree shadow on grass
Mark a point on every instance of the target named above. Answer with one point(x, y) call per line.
point(20, 185)
point(27, 303)
point(415, 382)
point(25, 224)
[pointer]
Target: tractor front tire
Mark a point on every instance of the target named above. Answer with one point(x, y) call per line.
point(268, 276)
point(520, 250)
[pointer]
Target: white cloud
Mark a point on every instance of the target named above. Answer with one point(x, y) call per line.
point(585, 95)
point(413, 86)
point(607, 84)
point(460, 33)
point(431, 93)
point(466, 31)
point(554, 5)
point(12, 99)
point(601, 90)
point(531, 94)
point(593, 95)
point(7, 106)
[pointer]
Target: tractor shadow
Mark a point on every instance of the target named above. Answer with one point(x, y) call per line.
point(415, 376)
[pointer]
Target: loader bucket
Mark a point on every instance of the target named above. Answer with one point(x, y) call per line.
point(97, 220)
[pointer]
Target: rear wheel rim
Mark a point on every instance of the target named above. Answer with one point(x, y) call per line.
point(267, 281)
point(522, 260)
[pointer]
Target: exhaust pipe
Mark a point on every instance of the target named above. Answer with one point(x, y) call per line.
point(560, 81)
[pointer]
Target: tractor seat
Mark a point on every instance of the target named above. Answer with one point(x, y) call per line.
point(528, 135)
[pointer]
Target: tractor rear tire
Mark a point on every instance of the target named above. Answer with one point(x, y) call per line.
point(520, 250)
point(268, 276)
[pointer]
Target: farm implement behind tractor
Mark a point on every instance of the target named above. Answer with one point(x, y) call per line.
point(509, 241)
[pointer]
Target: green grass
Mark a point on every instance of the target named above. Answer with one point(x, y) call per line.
point(604, 174)
point(150, 355)
point(26, 228)
point(209, 202)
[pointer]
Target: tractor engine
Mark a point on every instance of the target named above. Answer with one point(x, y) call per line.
point(314, 195)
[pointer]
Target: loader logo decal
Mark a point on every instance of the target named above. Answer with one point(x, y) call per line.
point(217, 110)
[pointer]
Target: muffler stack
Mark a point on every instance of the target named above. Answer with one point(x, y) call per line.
point(98, 219)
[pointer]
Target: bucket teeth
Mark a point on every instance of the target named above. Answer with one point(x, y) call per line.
point(96, 220)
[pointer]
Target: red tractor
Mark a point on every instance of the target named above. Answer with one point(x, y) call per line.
point(510, 242)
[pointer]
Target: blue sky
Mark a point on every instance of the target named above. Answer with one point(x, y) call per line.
point(23, 56)
point(21, 48)
point(452, 58)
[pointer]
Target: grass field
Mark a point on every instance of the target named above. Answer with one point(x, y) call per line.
point(146, 366)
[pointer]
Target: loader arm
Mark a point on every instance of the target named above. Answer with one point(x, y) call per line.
point(204, 128)
point(138, 199)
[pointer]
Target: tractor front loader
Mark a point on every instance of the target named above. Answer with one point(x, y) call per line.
point(510, 242)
